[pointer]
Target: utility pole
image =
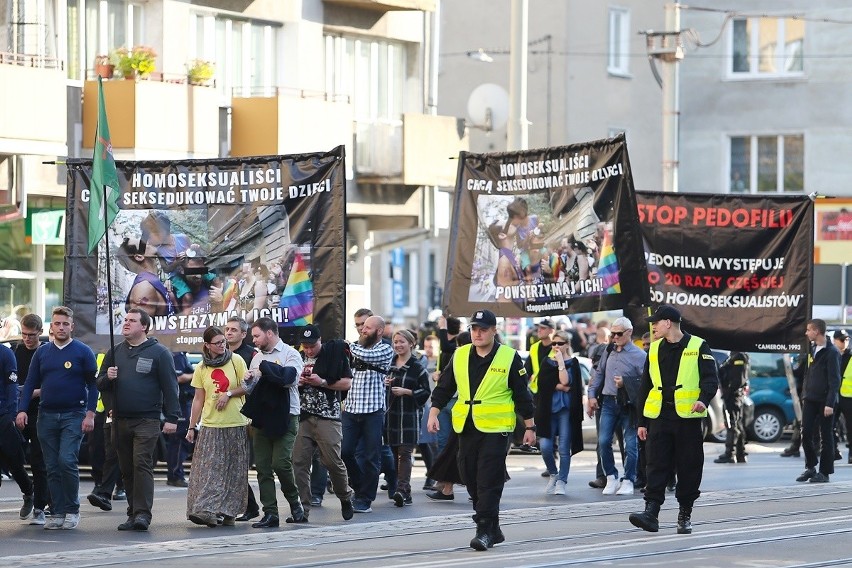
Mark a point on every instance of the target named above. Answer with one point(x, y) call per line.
point(670, 56)
point(518, 126)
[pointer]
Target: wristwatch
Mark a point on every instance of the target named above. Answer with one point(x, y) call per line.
point(531, 428)
point(229, 394)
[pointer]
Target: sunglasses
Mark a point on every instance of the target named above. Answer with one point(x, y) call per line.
point(617, 333)
point(559, 343)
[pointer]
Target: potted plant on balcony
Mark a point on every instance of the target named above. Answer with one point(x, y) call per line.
point(136, 63)
point(104, 67)
point(199, 71)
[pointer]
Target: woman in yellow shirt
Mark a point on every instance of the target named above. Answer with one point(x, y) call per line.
point(218, 486)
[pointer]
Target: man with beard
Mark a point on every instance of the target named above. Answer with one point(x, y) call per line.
point(140, 374)
point(326, 373)
point(275, 432)
point(365, 412)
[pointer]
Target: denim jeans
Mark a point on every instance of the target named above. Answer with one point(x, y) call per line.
point(60, 434)
point(560, 426)
point(362, 434)
point(445, 424)
point(613, 416)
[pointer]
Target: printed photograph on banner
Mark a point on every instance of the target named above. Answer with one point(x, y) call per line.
point(521, 242)
point(164, 262)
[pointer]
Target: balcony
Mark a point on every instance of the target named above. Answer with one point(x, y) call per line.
point(155, 119)
point(386, 5)
point(417, 150)
point(33, 103)
point(290, 121)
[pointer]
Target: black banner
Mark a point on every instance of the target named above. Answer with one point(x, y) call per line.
point(548, 231)
point(737, 267)
point(197, 241)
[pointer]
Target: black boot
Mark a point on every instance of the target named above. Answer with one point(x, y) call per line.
point(684, 522)
point(647, 520)
point(496, 534)
point(724, 458)
point(482, 541)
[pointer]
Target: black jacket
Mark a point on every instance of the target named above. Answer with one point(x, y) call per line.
point(822, 377)
point(268, 405)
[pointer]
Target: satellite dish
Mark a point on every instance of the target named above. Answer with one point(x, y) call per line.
point(488, 107)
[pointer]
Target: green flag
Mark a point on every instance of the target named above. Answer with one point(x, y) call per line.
point(104, 175)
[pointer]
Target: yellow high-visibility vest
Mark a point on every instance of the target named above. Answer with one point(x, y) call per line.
point(846, 382)
point(492, 407)
point(536, 365)
point(688, 379)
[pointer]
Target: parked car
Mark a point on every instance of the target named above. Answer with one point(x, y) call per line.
point(770, 391)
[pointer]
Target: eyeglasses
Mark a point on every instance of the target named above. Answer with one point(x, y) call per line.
point(617, 333)
point(29, 334)
point(559, 343)
point(218, 343)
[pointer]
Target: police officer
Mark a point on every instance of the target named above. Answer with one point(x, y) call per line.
point(841, 341)
point(491, 383)
point(678, 383)
point(733, 377)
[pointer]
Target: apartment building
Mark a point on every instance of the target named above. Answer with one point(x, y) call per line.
point(290, 76)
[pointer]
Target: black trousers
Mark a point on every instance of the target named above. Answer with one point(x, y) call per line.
point(12, 452)
point(813, 419)
point(482, 465)
point(845, 407)
point(104, 458)
point(674, 444)
point(735, 441)
point(41, 494)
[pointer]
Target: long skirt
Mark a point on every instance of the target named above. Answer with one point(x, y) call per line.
point(218, 481)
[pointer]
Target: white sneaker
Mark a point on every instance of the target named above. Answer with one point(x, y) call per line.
point(551, 485)
point(611, 485)
point(71, 521)
point(38, 517)
point(54, 522)
point(560, 488)
point(626, 488)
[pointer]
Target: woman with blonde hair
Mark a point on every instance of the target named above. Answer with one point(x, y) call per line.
point(218, 486)
point(408, 391)
point(559, 410)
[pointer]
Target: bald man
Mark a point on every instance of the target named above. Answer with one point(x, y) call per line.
point(365, 410)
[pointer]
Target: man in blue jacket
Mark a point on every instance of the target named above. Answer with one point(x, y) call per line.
point(64, 370)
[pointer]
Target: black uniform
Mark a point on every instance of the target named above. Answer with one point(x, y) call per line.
point(733, 377)
point(820, 389)
point(845, 402)
point(675, 443)
point(482, 456)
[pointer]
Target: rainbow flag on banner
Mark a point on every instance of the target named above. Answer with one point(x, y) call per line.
point(298, 296)
point(608, 268)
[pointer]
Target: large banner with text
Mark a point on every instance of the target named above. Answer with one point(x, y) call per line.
point(545, 232)
point(738, 268)
point(198, 241)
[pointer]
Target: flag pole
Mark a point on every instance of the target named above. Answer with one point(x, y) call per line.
point(108, 278)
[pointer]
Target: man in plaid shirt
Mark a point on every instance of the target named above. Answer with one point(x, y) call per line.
point(364, 413)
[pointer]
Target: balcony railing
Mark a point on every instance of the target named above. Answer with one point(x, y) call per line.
point(378, 148)
point(29, 60)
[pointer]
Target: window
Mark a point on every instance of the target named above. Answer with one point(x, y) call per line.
point(371, 73)
point(767, 164)
point(244, 52)
point(110, 24)
point(767, 47)
point(618, 61)
point(30, 27)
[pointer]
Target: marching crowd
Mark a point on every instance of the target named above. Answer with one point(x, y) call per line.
point(339, 415)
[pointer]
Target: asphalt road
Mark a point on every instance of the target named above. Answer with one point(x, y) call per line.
point(753, 514)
